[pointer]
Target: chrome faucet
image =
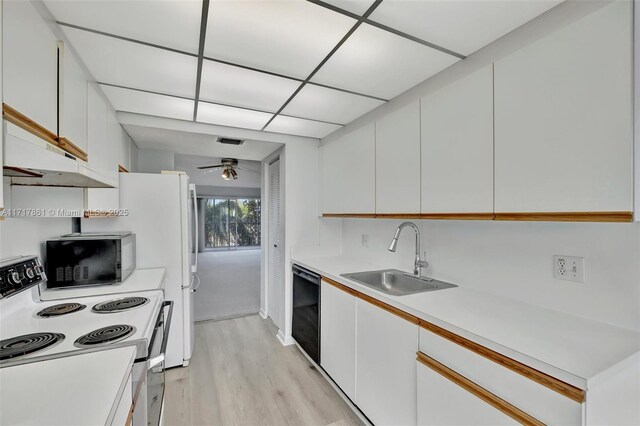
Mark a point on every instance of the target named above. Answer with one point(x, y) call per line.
point(419, 264)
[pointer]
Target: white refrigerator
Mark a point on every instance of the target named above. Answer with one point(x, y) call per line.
point(162, 213)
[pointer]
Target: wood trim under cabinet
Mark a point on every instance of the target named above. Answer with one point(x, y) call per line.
point(477, 390)
point(620, 216)
point(71, 148)
point(122, 169)
point(458, 216)
point(16, 117)
point(340, 286)
point(539, 377)
point(129, 421)
point(351, 215)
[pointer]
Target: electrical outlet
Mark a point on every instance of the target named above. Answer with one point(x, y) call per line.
point(365, 240)
point(568, 268)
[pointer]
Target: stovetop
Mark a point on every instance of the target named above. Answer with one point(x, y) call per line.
point(76, 325)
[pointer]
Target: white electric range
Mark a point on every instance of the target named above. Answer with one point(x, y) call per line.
point(34, 331)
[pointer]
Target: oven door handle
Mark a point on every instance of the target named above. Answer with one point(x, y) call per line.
point(167, 327)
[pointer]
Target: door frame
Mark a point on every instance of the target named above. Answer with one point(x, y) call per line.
point(267, 250)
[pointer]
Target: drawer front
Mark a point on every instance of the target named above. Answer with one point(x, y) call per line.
point(442, 401)
point(539, 401)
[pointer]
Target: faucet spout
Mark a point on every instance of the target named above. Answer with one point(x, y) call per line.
point(418, 264)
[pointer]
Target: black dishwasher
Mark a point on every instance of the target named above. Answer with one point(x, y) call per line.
point(306, 311)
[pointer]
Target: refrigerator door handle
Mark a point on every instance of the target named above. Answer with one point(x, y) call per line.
point(192, 189)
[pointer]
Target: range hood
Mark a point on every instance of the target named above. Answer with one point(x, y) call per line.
point(38, 163)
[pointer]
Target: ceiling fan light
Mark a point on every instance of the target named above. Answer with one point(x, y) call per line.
point(234, 174)
point(226, 174)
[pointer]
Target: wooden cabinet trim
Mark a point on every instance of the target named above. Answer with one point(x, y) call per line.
point(621, 216)
point(340, 286)
point(71, 148)
point(477, 390)
point(15, 117)
point(539, 377)
point(122, 169)
point(398, 312)
point(391, 309)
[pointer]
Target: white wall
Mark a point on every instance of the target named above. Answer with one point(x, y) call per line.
point(26, 236)
point(514, 259)
point(223, 191)
point(154, 161)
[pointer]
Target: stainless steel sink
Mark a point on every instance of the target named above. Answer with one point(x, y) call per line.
point(397, 283)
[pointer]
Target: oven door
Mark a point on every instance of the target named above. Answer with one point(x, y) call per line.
point(149, 404)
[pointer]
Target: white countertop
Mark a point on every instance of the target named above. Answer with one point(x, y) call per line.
point(77, 390)
point(571, 348)
point(139, 280)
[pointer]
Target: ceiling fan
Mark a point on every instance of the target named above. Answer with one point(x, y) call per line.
point(228, 165)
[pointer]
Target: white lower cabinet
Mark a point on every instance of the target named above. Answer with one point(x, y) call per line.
point(443, 402)
point(338, 337)
point(385, 366)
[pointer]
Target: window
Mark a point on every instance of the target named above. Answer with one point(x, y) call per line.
point(232, 222)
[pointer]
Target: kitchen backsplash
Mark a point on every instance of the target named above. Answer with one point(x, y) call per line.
point(514, 259)
point(25, 236)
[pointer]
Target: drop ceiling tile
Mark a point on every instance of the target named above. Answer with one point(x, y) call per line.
point(379, 63)
point(319, 103)
point(233, 117)
point(301, 127)
point(287, 37)
point(135, 65)
point(244, 88)
point(148, 103)
point(463, 26)
point(358, 7)
point(174, 24)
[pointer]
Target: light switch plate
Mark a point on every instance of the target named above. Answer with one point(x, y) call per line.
point(568, 268)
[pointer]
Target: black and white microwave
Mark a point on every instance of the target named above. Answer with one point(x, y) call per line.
point(86, 259)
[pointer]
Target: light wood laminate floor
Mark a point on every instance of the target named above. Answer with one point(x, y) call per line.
point(240, 374)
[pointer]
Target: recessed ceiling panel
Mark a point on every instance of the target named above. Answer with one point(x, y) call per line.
point(300, 127)
point(229, 116)
point(287, 37)
point(148, 103)
point(463, 26)
point(244, 88)
point(134, 65)
point(358, 7)
point(320, 103)
point(379, 63)
point(174, 23)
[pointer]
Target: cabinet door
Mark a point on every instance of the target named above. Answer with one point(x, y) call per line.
point(103, 133)
point(349, 173)
point(457, 146)
point(338, 337)
point(29, 74)
point(398, 161)
point(563, 117)
point(442, 402)
point(73, 100)
point(385, 366)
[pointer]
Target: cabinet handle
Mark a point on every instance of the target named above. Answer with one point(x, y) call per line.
point(477, 390)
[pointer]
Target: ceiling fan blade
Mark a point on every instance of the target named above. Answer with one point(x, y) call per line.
point(211, 167)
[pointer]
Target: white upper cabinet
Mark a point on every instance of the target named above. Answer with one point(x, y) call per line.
point(29, 75)
point(563, 119)
point(457, 146)
point(104, 135)
point(398, 161)
point(73, 99)
point(348, 173)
